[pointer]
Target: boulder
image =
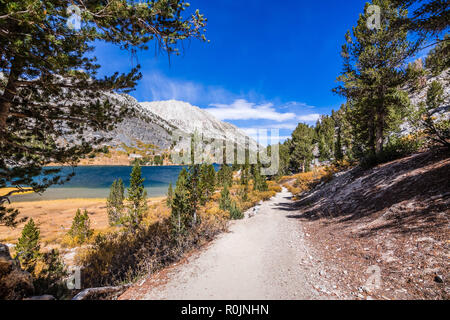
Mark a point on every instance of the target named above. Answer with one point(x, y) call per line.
point(15, 284)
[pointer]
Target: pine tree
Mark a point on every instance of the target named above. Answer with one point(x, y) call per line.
point(202, 184)
point(50, 278)
point(207, 182)
point(27, 249)
point(244, 192)
point(235, 212)
point(80, 230)
point(137, 199)
point(225, 175)
point(374, 72)
point(114, 203)
point(417, 73)
point(301, 148)
point(437, 130)
point(211, 179)
point(180, 205)
point(50, 85)
point(195, 191)
point(169, 199)
point(344, 137)
point(220, 175)
point(284, 158)
point(438, 59)
point(427, 18)
point(225, 200)
point(325, 135)
point(227, 204)
point(245, 172)
point(259, 181)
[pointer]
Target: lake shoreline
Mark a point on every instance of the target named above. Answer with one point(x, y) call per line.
point(95, 182)
point(108, 165)
point(156, 198)
point(55, 216)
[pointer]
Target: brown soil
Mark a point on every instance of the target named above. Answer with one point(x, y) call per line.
point(393, 218)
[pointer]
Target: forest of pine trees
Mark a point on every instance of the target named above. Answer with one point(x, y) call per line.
point(376, 79)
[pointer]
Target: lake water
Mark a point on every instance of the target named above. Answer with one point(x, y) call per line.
point(95, 181)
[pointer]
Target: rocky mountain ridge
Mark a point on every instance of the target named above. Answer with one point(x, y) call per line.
point(155, 122)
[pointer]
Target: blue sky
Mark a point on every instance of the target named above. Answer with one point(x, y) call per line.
point(269, 64)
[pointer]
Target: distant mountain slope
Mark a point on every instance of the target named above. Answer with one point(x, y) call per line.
point(143, 125)
point(190, 119)
point(147, 131)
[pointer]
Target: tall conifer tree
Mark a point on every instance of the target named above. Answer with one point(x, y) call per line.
point(374, 72)
point(114, 202)
point(180, 204)
point(137, 199)
point(27, 249)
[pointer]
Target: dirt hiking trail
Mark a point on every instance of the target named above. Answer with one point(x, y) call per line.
point(262, 257)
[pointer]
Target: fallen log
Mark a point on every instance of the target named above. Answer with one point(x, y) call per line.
point(92, 293)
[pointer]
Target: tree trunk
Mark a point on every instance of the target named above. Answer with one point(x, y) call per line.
point(9, 94)
point(371, 137)
point(379, 136)
point(4, 111)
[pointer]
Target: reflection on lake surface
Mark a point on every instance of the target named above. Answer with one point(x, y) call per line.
point(95, 181)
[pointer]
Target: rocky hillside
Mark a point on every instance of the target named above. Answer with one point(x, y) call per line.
point(143, 125)
point(419, 96)
point(392, 219)
point(154, 122)
point(190, 119)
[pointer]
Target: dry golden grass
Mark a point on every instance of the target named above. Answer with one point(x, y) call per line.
point(158, 211)
point(54, 217)
point(212, 211)
point(253, 196)
point(302, 182)
point(273, 186)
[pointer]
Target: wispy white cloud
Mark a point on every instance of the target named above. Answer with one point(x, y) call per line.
point(225, 105)
point(313, 117)
point(296, 105)
point(241, 109)
point(281, 126)
point(265, 136)
point(274, 125)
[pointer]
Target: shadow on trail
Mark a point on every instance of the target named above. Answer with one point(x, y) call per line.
point(283, 206)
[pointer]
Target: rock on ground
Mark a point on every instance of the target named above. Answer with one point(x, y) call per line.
point(15, 284)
